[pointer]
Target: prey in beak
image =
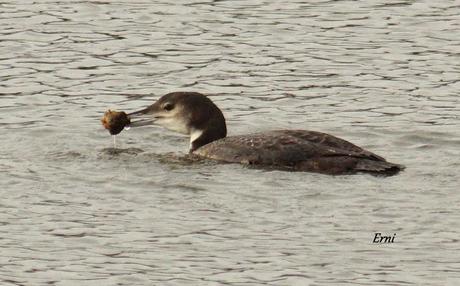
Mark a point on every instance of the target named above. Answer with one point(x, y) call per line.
point(189, 113)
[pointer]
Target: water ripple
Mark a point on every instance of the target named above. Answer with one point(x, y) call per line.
point(75, 209)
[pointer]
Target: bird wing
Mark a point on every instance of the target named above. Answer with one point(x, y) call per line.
point(281, 147)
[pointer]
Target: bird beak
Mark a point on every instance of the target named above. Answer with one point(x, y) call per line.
point(141, 118)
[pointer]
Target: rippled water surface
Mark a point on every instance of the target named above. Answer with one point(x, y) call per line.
point(74, 211)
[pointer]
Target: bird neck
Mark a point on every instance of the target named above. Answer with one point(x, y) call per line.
point(200, 137)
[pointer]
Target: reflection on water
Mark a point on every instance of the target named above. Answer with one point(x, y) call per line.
point(382, 74)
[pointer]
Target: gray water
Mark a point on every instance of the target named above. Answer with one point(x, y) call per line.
point(74, 211)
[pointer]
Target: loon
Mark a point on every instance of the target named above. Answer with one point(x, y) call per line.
point(194, 114)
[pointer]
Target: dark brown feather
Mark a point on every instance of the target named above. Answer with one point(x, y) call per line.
point(296, 149)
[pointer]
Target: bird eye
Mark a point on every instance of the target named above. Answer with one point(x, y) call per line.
point(168, 106)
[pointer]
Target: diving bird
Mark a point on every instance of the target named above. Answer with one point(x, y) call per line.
point(194, 114)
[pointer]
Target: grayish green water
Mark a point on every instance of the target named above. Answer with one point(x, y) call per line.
point(382, 74)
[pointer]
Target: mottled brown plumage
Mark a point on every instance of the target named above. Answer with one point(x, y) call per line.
point(298, 150)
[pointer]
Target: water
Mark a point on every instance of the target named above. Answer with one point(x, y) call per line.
point(76, 211)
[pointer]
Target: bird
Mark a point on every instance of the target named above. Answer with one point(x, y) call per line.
point(195, 115)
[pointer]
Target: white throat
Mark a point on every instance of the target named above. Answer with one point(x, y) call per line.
point(194, 134)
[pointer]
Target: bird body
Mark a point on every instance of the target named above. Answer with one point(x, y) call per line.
point(196, 115)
